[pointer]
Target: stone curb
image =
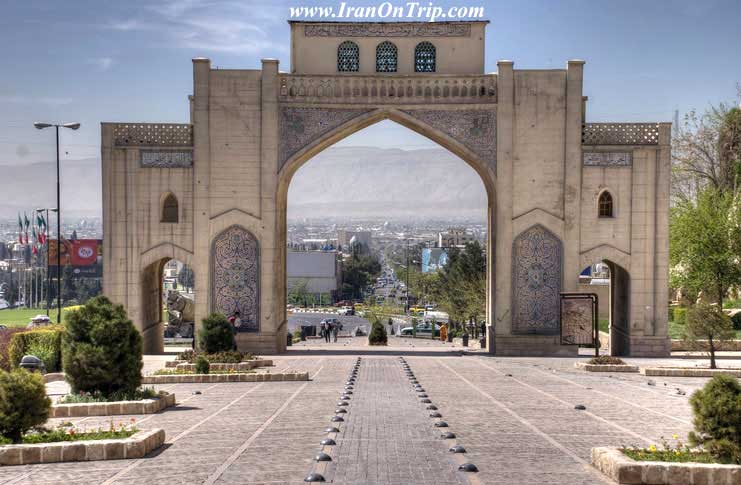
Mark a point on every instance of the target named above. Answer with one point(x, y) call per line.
point(688, 372)
point(144, 406)
point(606, 367)
point(245, 365)
point(624, 470)
point(214, 378)
point(136, 446)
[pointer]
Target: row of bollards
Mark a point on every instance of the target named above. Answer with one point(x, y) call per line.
point(435, 414)
point(339, 417)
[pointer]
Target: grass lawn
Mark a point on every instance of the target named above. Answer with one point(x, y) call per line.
point(676, 330)
point(20, 317)
point(604, 325)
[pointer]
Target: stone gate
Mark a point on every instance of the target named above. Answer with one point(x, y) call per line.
point(562, 193)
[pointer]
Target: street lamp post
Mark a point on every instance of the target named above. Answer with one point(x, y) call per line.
point(71, 126)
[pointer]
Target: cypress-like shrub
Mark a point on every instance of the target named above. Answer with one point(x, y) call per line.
point(101, 349)
point(202, 365)
point(216, 334)
point(45, 343)
point(23, 403)
point(717, 411)
point(377, 334)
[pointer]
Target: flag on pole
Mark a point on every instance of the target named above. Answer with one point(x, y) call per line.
point(42, 228)
point(20, 229)
point(27, 223)
point(34, 248)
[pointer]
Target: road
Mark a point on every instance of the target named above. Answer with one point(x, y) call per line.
point(349, 323)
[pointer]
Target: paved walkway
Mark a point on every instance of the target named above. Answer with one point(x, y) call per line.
point(514, 416)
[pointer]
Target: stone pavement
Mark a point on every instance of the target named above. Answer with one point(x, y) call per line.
point(515, 417)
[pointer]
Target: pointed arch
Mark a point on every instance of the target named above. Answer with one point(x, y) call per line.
point(169, 208)
point(605, 205)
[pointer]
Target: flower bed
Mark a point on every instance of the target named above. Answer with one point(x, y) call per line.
point(689, 372)
point(625, 470)
point(142, 406)
point(178, 378)
point(606, 367)
point(82, 449)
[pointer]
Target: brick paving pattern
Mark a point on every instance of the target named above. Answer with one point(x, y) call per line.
point(515, 417)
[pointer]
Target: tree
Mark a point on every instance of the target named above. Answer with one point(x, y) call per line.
point(706, 151)
point(705, 322)
point(217, 334)
point(717, 418)
point(24, 403)
point(358, 271)
point(101, 349)
point(705, 243)
point(299, 293)
point(186, 277)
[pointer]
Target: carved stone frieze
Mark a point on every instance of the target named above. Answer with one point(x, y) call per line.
point(298, 127)
point(608, 159)
point(475, 129)
point(394, 29)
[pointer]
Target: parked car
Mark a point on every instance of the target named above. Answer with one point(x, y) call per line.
point(346, 310)
point(422, 329)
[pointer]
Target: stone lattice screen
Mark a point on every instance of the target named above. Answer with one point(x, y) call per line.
point(153, 134)
point(620, 134)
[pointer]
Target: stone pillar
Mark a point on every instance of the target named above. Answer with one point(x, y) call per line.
point(502, 321)
point(572, 175)
point(201, 175)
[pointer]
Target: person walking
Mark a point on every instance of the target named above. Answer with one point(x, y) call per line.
point(236, 322)
point(444, 333)
point(327, 331)
point(335, 330)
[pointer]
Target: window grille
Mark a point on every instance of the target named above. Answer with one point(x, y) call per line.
point(386, 57)
point(424, 57)
point(170, 209)
point(348, 57)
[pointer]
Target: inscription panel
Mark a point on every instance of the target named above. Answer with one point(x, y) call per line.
point(398, 29)
point(167, 158)
point(608, 159)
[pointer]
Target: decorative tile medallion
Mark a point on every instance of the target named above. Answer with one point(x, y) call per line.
point(235, 270)
point(475, 129)
point(391, 29)
point(608, 159)
point(536, 275)
point(167, 158)
point(298, 127)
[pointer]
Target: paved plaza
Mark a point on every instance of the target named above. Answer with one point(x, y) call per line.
point(514, 416)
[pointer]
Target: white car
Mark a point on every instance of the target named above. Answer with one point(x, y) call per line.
point(345, 310)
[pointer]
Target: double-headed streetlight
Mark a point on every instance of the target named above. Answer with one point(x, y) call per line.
point(71, 126)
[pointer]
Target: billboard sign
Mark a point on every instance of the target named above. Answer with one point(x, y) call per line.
point(85, 256)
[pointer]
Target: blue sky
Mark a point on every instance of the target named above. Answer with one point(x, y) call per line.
point(101, 60)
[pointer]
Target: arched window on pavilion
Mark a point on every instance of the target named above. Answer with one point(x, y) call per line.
point(386, 57)
point(424, 57)
point(170, 209)
point(348, 57)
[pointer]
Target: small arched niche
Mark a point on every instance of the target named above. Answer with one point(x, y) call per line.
point(169, 213)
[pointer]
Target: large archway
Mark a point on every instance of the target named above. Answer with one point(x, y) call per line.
point(485, 168)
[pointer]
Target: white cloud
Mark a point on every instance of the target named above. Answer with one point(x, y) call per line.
point(205, 25)
point(101, 63)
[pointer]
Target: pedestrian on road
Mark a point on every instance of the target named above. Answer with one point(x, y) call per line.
point(443, 333)
point(335, 330)
point(236, 322)
point(327, 331)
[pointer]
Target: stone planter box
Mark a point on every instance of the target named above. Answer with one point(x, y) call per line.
point(144, 406)
point(606, 367)
point(136, 446)
point(215, 378)
point(624, 470)
point(220, 366)
point(689, 372)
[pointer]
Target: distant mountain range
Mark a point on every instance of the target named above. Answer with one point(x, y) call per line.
point(339, 182)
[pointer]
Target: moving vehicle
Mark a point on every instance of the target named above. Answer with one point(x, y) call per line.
point(423, 329)
point(346, 310)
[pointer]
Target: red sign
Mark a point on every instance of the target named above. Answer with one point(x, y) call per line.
point(82, 254)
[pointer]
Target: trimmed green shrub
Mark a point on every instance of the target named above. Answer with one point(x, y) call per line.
point(717, 411)
point(606, 360)
point(202, 365)
point(377, 334)
point(216, 334)
point(101, 349)
point(5, 337)
point(23, 403)
point(45, 343)
point(187, 355)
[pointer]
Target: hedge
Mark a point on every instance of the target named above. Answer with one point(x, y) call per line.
point(5, 337)
point(45, 343)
